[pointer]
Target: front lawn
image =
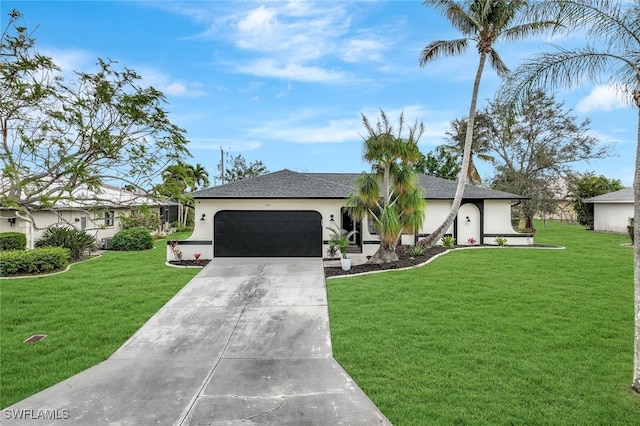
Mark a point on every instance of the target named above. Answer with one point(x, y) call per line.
point(87, 313)
point(496, 336)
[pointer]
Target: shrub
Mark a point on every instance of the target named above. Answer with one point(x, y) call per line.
point(417, 250)
point(448, 241)
point(13, 241)
point(37, 261)
point(501, 241)
point(142, 217)
point(132, 239)
point(78, 242)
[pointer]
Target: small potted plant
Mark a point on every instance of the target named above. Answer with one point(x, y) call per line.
point(339, 238)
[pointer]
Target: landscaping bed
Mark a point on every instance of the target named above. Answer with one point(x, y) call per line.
point(406, 260)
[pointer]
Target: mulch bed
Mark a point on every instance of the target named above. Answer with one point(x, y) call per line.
point(406, 260)
point(201, 263)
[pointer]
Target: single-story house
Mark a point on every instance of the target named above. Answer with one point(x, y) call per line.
point(287, 213)
point(95, 212)
point(611, 212)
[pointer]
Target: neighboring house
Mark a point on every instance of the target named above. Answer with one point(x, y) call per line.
point(286, 213)
point(611, 212)
point(95, 212)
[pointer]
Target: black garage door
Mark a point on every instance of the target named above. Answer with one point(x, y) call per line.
point(250, 233)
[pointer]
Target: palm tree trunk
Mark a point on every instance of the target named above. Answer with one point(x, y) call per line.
point(436, 235)
point(636, 256)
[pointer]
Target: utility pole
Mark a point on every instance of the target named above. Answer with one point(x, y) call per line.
point(221, 166)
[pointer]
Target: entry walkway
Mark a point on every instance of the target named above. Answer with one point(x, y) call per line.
point(245, 342)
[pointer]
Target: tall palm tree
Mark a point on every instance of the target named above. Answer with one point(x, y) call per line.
point(479, 147)
point(612, 52)
point(483, 22)
point(389, 197)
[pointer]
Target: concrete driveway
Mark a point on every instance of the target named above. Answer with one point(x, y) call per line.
point(247, 341)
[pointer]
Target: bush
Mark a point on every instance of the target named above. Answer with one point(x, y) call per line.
point(37, 261)
point(132, 239)
point(142, 217)
point(13, 241)
point(64, 236)
point(448, 241)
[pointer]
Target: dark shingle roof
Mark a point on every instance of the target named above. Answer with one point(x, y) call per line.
point(289, 184)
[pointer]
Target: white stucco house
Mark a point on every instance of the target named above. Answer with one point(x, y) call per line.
point(611, 212)
point(287, 213)
point(95, 212)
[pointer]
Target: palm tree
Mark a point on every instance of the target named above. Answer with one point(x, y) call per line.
point(389, 197)
point(175, 181)
point(483, 22)
point(479, 147)
point(199, 175)
point(614, 27)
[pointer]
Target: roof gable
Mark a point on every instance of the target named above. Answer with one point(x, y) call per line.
point(289, 184)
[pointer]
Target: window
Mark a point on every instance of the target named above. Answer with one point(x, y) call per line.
point(371, 226)
point(109, 218)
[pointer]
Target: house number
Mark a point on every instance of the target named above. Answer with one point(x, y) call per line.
point(267, 205)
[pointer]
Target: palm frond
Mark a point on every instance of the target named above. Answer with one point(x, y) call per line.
point(566, 69)
point(519, 32)
point(368, 190)
point(497, 64)
point(442, 49)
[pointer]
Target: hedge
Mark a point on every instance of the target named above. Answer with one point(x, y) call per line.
point(36, 261)
point(132, 239)
point(13, 241)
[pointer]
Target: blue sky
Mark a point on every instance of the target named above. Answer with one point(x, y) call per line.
point(286, 82)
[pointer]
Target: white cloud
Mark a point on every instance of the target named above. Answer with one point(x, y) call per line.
point(296, 31)
point(604, 98)
point(290, 71)
point(310, 126)
point(369, 49)
point(306, 126)
point(72, 60)
point(169, 86)
point(79, 60)
point(296, 40)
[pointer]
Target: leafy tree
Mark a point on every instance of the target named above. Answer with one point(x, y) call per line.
point(586, 186)
point(483, 22)
point(536, 143)
point(612, 36)
point(439, 163)
point(58, 137)
point(238, 169)
point(457, 136)
point(389, 197)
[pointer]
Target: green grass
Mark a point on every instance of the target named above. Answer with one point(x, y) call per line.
point(496, 336)
point(87, 313)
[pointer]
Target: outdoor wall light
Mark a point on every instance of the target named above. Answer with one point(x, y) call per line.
point(331, 218)
point(203, 216)
point(12, 221)
point(468, 220)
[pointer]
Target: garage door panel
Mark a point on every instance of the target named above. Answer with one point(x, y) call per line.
point(246, 233)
